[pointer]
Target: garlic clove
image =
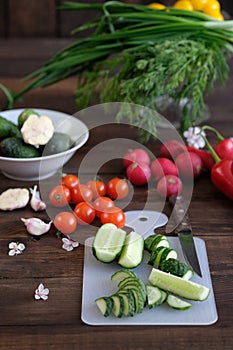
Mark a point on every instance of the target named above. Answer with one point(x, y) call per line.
point(36, 226)
point(36, 203)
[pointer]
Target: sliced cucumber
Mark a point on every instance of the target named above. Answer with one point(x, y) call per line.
point(129, 302)
point(118, 305)
point(161, 253)
point(108, 243)
point(176, 267)
point(105, 305)
point(177, 303)
point(138, 299)
point(154, 241)
point(154, 296)
point(178, 286)
point(122, 274)
point(168, 253)
point(132, 252)
point(164, 297)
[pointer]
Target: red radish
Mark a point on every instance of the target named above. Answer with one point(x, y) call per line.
point(163, 166)
point(171, 149)
point(137, 155)
point(138, 174)
point(189, 164)
point(169, 185)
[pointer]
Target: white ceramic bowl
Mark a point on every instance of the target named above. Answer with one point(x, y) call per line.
point(39, 168)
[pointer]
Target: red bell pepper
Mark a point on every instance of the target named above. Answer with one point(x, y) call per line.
point(224, 147)
point(221, 173)
point(206, 156)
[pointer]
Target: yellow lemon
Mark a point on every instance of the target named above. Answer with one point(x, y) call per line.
point(183, 5)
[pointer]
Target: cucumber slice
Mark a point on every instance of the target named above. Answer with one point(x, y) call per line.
point(178, 286)
point(139, 300)
point(122, 274)
point(154, 241)
point(164, 297)
point(177, 268)
point(105, 305)
point(154, 296)
point(132, 252)
point(177, 303)
point(118, 305)
point(135, 285)
point(161, 253)
point(129, 303)
point(108, 243)
point(168, 253)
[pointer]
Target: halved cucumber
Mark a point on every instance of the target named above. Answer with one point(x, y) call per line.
point(178, 286)
point(176, 267)
point(177, 303)
point(132, 252)
point(154, 296)
point(105, 305)
point(108, 243)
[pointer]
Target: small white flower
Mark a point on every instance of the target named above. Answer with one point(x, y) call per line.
point(15, 248)
point(41, 292)
point(68, 244)
point(194, 137)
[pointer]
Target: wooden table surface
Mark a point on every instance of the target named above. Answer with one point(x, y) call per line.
point(56, 323)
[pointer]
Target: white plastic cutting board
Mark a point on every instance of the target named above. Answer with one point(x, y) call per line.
point(97, 282)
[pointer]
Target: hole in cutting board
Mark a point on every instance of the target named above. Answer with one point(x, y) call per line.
point(143, 219)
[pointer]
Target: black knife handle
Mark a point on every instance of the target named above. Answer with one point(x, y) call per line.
point(180, 213)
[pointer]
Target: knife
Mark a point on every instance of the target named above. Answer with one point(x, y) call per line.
point(184, 232)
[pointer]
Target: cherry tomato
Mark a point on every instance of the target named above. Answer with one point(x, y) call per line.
point(117, 188)
point(81, 193)
point(114, 216)
point(70, 181)
point(102, 204)
point(98, 188)
point(60, 196)
point(85, 213)
point(65, 222)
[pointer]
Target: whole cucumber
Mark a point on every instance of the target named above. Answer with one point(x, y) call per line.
point(7, 129)
point(14, 147)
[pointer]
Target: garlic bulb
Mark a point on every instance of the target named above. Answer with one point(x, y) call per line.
point(36, 203)
point(36, 226)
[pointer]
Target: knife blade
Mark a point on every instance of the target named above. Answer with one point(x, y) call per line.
point(184, 232)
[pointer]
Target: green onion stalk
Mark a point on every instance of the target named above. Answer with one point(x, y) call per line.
point(137, 54)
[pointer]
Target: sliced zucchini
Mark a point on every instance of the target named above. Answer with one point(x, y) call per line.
point(154, 296)
point(108, 243)
point(132, 252)
point(177, 268)
point(105, 305)
point(177, 303)
point(118, 305)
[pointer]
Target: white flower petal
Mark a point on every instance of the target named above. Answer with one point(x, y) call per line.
point(66, 240)
point(44, 297)
point(67, 247)
point(21, 246)
point(75, 244)
point(12, 245)
point(11, 252)
point(40, 287)
point(37, 297)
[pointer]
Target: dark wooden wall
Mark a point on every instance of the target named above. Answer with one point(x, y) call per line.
point(42, 18)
